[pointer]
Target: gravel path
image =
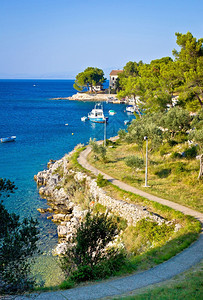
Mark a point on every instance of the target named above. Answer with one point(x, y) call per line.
point(174, 266)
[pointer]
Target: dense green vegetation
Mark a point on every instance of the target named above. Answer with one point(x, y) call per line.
point(158, 82)
point(90, 255)
point(18, 245)
point(89, 78)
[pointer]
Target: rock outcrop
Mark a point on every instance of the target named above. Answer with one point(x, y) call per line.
point(89, 97)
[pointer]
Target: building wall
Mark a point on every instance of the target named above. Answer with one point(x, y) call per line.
point(113, 81)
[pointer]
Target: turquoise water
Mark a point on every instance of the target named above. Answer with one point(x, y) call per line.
point(39, 124)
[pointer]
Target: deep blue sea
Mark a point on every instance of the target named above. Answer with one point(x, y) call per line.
point(27, 111)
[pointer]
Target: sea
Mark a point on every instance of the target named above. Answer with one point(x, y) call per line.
point(28, 112)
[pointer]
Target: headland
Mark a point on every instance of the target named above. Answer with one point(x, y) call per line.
point(91, 97)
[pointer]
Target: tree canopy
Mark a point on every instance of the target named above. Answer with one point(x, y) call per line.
point(158, 82)
point(89, 78)
point(189, 61)
point(18, 244)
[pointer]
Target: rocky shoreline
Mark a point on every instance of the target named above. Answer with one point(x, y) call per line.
point(67, 213)
point(90, 97)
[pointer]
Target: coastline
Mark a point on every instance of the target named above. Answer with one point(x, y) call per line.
point(91, 97)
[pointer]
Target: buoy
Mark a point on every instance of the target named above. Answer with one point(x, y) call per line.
point(72, 133)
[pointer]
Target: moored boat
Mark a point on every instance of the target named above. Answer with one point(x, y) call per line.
point(8, 139)
point(97, 114)
point(126, 122)
point(112, 112)
point(84, 119)
point(131, 108)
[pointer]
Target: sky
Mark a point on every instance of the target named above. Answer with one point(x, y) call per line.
point(57, 39)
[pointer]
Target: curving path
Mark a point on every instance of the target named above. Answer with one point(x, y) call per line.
point(174, 266)
point(187, 211)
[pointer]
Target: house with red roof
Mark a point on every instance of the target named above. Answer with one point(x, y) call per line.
point(113, 76)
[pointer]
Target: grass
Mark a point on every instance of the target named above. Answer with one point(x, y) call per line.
point(187, 285)
point(172, 179)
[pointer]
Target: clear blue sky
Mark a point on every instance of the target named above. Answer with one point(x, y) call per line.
point(59, 38)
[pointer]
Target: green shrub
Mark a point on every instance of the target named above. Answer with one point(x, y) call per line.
point(122, 134)
point(67, 284)
point(134, 162)
point(181, 137)
point(163, 173)
point(98, 149)
point(110, 143)
point(190, 152)
point(88, 254)
point(175, 155)
point(172, 143)
point(103, 269)
point(146, 234)
point(153, 232)
point(101, 182)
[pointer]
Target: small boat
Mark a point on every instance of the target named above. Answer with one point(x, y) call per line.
point(109, 99)
point(84, 119)
point(126, 122)
point(112, 112)
point(8, 139)
point(97, 114)
point(131, 108)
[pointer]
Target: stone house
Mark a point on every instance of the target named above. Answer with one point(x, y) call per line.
point(113, 76)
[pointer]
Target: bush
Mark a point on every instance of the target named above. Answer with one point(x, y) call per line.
point(18, 246)
point(172, 143)
point(134, 162)
point(66, 284)
point(145, 235)
point(191, 152)
point(122, 134)
point(176, 155)
point(110, 143)
point(89, 257)
point(181, 137)
point(98, 149)
point(163, 173)
point(101, 182)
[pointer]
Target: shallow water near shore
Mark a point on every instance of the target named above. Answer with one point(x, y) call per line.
point(39, 125)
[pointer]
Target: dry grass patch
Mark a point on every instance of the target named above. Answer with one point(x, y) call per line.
point(172, 179)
